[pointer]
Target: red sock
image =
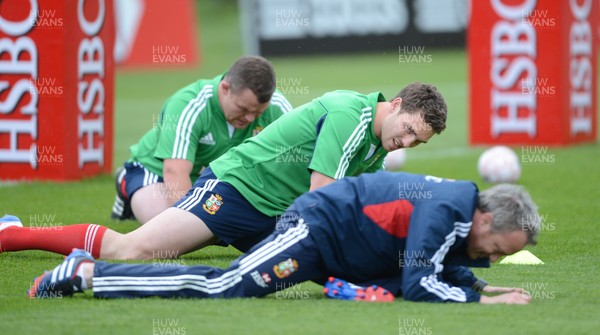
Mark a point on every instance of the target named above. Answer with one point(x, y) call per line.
point(61, 239)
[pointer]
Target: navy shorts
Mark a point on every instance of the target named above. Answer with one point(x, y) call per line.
point(129, 179)
point(226, 212)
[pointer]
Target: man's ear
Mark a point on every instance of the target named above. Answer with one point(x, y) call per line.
point(395, 103)
point(486, 219)
point(225, 86)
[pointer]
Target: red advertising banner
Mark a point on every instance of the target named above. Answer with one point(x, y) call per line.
point(533, 72)
point(156, 33)
point(56, 89)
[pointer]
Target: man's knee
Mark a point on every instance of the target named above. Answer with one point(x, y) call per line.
point(141, 250)
point(149, 201)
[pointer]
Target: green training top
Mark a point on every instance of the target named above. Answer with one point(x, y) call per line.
point(332, 135)
point(192, 126)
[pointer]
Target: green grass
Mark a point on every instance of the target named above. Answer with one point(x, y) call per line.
point(565, 288)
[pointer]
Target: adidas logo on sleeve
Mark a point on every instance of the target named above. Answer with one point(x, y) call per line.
point(207, 139)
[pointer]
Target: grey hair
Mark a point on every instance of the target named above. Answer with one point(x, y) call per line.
point(512, 209)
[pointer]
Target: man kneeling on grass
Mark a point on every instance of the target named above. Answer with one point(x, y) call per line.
point(394, 234)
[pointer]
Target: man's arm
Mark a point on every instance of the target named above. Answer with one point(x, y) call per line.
point(428, 242)
point(340, 135)
point(318, 180)
point(434, 289)
point(177, 143)
point(499, 289)
point(459, 275)
point(436, 228)
point(507, 298)
point(176, 175)
point(463, 276)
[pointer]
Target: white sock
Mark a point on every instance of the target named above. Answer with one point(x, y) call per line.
point(84, 285)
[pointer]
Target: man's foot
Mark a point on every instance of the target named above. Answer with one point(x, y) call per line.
point(118, 209)
point(340, 289)
point(121, 209)
point(9, 221)
point(63, 280)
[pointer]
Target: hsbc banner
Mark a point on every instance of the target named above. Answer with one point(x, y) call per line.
point(156, 33)
point(56, 88)
point(533, 72)
point(292, 27)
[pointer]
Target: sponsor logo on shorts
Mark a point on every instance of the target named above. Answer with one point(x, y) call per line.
point(212, 204)
point(258, 279)
point(266, 278)
point(285, 268)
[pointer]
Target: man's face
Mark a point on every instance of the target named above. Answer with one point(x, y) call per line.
point(483, 243)
point(404, 130)
point(240, 108)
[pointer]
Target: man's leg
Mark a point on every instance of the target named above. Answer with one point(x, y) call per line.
point(149, 201)
point(170, 234)
point(59, 239)
point(211, 210)
point(140, 193)
point(280, 261)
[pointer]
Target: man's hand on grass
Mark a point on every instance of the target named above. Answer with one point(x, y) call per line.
point(498, 289)
point(514, 297)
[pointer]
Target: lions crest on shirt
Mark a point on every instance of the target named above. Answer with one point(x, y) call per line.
point(285, 268)
point(212, 204)
point(257, 130)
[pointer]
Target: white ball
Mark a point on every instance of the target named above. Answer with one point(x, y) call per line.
point(395, 160)
point(499, 164)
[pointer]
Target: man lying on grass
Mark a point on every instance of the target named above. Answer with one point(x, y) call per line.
point(394, 234)
point(237, 199)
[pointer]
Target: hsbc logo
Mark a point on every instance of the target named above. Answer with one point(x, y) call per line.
point(513, 44)
point(90, 88)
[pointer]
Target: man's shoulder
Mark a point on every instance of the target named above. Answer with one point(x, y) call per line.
point(341, 100)
point(342, 95)
point(430, 187)
point(194, 97)
point(279, 104)
point(199, 88)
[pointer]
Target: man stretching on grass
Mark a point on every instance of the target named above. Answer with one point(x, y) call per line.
point(238, 199)
point(375, 229)
point(197, 124)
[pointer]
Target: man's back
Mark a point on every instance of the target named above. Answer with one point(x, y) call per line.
point(192, 126)
point(367, 224)
point(272, 169)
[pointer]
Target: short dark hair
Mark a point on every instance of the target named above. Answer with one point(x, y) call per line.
point(426, 99)
point(255, 73)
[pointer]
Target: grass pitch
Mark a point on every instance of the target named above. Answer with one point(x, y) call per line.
point(565, 290)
